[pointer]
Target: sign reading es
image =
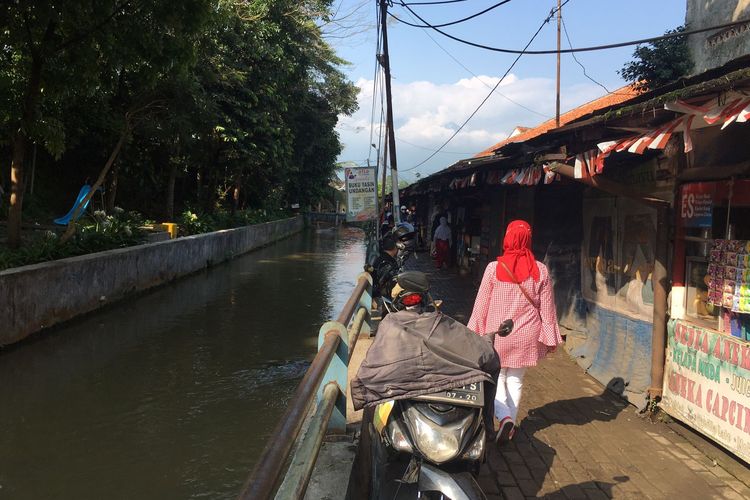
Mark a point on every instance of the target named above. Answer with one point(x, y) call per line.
point(696, 205)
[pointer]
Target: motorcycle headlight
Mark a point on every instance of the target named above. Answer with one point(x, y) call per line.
point(437, 443)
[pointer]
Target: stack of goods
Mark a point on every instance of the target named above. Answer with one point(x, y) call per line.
point(729, 275)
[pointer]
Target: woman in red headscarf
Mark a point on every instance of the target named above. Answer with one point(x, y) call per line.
point(516, 287)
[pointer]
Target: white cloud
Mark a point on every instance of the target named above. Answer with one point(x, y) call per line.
point(426, 114)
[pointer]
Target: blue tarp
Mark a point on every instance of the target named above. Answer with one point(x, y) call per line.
point(615, 345)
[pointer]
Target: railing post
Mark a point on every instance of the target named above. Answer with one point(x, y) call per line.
point(337, 372)
point(366, 301)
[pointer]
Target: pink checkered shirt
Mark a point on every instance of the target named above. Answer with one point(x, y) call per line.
point(534, 333)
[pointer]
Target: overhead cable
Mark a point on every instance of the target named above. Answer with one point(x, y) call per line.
point(434, 3)
point(571, 50)
point(458, 21)
point(565, 29)
point(507, 72)
point(430, 149)
point(374, 90)
point(457, 61)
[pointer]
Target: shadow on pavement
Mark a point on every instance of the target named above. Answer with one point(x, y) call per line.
point(522, 463)
point(525, 462)
point(577, 411)
point(587, 489)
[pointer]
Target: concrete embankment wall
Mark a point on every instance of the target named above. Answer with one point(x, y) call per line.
point(42, 295)
point(328, 217)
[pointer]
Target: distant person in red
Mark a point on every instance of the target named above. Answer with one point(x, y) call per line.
point(516, 287)
point(442, 240)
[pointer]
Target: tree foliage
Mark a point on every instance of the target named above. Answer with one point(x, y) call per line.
point(658, 63)
point(236, 102)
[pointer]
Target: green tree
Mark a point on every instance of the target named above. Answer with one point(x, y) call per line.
point(273, 93)
point(658, 63)
point(60, 53)
point(204, 104)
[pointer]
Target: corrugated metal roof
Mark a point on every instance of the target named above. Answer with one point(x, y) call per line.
point(612, 99)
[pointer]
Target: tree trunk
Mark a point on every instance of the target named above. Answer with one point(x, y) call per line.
point(21, 139)
point(199, 183)
point(236, 194)
point(170, 190)
point(16, 190)
point(71, 229)
point(20, 143)
point(213, 184)
point(111, 194)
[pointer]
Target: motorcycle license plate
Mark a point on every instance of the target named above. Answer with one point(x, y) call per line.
point(467, 395)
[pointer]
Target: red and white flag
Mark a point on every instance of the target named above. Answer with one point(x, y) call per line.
point(588, 164)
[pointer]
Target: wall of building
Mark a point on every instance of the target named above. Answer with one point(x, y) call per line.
point(42, 295)
point(558, 232)
point(713, 49)
point(614, 302)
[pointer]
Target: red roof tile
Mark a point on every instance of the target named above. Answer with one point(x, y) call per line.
point(618, 96)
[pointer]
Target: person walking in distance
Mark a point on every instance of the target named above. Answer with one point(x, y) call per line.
point(516, 287)
point(442, 241)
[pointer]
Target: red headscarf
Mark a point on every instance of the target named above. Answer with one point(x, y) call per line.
point(517, 254)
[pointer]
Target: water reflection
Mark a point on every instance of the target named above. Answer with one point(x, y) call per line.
point(172, 394)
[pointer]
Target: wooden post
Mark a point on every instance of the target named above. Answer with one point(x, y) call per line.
point(557, 105)
point(661, 290)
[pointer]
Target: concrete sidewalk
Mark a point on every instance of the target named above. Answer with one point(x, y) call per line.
point(578, 441)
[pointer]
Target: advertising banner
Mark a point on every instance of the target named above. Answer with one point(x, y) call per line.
point(361, 196)
point(696, 204)
point(707, 384)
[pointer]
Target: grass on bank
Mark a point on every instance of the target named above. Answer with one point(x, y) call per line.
point(99, 231)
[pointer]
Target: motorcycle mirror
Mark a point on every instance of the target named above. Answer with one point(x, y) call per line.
point(505, 328)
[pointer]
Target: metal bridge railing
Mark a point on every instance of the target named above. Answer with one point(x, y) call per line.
point(327, 377)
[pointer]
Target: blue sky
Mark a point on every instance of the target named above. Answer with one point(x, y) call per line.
point(433, 94)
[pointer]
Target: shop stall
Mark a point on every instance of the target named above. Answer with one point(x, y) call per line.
point(707, 372)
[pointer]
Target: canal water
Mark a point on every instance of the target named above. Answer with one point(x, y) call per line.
point(172, 394)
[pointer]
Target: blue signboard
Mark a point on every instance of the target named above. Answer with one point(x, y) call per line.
point(696, 205)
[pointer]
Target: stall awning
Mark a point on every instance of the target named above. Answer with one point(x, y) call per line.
point(719, 111)
point(524, 176)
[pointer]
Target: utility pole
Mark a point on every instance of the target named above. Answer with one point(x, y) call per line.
point(557, 105)
point(389, 114)
point(385, 176)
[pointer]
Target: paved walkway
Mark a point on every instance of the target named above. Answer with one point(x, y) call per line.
point(578, 441)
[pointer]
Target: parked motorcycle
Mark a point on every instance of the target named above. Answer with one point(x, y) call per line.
point(406, 240)
point(385, 270)
point(431, 446)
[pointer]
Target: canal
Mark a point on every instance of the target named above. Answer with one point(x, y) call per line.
point(172, 394)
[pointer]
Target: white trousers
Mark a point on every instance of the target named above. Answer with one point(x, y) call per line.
point(508, 395)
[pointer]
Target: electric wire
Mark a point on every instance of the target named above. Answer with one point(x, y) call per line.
point(374, 88)
point(570, 44)
point(430, 149)
point(507, 72)
point(435, 3)
point(457, 61)
point(458, 21)
point(571, 50)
